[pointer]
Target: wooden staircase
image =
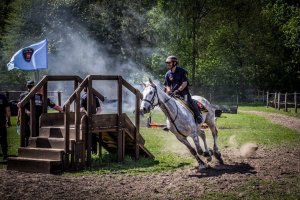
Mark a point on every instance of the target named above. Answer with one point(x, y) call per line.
point(45, 153)
point(64, 139)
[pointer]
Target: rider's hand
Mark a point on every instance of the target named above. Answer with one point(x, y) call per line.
point(176, 92)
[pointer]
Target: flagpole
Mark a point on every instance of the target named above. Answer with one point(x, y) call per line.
point(36, 76)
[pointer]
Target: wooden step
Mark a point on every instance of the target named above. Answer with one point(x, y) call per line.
point(57, 132)
point(41, 153)
point(45, 142)
point(56, 119)
point(34, 165)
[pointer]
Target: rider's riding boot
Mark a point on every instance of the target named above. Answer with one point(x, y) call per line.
point(197, 113)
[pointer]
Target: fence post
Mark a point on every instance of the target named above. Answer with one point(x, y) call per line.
point(295, 98)
point(285, 102)
point(263, 96)
point(278, 100)
point(267, 99)
point(275, 98)
point(59, 97)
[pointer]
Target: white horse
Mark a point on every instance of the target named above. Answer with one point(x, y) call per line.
point(181, 122)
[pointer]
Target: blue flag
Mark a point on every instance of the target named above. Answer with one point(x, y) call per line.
point(33, 57)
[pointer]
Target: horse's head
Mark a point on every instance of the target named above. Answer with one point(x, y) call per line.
point(150, 99)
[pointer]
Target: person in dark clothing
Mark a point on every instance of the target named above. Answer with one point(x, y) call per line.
point(83, 102)
point(96, 108)
point(29, 86)
point(4, 119)
point(38, 109)
point(176, 83)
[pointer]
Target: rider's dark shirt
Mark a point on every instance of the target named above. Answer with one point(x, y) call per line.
point(174, 80)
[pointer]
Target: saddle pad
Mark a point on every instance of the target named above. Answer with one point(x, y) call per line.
point(201, 107)
point(185, 104)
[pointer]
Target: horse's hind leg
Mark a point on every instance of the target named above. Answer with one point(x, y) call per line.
point(214, 132)
point(193, 152)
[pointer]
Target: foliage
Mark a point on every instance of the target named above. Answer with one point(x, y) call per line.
point(227, 46)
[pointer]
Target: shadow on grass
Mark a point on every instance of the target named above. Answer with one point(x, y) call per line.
point(238, 168)
point(109, 164)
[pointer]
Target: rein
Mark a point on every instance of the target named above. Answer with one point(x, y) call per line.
point(162, 104)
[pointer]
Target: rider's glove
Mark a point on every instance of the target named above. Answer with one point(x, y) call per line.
point(176, 92)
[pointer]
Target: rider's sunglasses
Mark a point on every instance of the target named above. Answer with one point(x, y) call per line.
point(168, 62)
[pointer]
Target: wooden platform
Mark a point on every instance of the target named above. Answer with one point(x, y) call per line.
point(45, 153)
point(64, 140)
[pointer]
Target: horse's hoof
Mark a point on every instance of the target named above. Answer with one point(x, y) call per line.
point(209, 159)
point(221, 162)
point(201, 169)
point(207, 154)
point(218, 156)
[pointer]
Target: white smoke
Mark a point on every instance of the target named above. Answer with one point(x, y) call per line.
point(75, 53)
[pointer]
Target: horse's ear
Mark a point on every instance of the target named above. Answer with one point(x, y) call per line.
point(150, 80)
point(144, 84)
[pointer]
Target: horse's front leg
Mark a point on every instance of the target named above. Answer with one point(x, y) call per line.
point(193, 152)
point(197, 144)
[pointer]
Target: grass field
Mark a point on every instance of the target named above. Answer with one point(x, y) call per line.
point(170, 156)
point(234, 130)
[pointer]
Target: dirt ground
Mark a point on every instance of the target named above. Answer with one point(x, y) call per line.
point(239, 176)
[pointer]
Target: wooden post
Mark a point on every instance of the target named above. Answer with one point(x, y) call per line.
point(275, 100)
point(77, 129)
point(22, 127)
point(45, 97)
point(278, 101)
point(67, 133)
point(267, 99)
point(121, 148)
point(285, 102)
point(90, 115)
point(263, 96)
point(295, 99)
point(137, 124)
point(33, 131)
point(59, 98)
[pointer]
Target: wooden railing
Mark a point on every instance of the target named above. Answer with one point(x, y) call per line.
point(88, 82)
point(30, 97)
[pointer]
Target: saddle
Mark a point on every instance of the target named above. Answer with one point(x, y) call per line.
point(200, 105)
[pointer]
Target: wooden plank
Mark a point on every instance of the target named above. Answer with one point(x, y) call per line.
point(45, 97)
point(104, 121)
point(121, 135)
point(104, 77)
point(89, 122)
point(137, 125)
point(22, 127)
point(33, 131)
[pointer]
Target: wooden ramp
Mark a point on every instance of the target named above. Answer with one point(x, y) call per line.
point(106, 126)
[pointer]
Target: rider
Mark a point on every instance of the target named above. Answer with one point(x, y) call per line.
point(176, 83)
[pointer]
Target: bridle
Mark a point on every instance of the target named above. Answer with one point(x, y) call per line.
point(151, 102)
